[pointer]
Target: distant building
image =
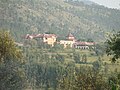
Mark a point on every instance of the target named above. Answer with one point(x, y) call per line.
point(84, 45)
point(70, 37)
point(73, 43)
point(66, 43)
point(50, 39)
point(69, 42)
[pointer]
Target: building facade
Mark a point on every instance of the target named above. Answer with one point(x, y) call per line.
point(50, 39)
point(84, 45)
point(69, 42)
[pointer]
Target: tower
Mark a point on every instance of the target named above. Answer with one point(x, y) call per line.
point(70, 37)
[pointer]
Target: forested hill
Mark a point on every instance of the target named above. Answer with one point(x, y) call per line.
point(83, 19)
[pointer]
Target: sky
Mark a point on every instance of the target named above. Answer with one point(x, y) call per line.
point(109, 3)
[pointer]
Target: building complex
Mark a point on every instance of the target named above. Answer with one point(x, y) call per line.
point(70, 41)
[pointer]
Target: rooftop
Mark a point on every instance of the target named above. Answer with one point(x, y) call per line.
point(40, 36)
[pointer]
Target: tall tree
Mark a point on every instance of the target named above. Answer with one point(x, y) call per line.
point(8, 48)
point(113, 46)
point(11, 72)
point(76, 57)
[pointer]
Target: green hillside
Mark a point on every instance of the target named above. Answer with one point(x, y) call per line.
point(59, 17)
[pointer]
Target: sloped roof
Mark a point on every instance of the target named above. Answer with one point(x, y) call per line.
point(85, 43)
point(49, 35)
point(70, 35)
point(40, 36)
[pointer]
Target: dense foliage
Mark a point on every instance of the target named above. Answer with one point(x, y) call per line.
point(113, 46)
point(12, 74)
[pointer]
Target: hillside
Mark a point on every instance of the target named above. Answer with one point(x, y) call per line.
point(85, 20)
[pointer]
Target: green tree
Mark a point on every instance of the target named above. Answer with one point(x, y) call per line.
point(76, 57)
point(114, 81)
point(113, 46)
point(97, 65)
point(11, 72)
point(90, 40)
point(8, 48)
point(100, 49)
point(60, 57)
point(58, 46)
point(84, 58)
point(83, 79)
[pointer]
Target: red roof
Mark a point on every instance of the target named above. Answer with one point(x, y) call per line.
point(49, 35)
point(85, 43)
point(70, 35)
point(40, 36)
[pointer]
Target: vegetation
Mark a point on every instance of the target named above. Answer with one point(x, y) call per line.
point(40, 16)
point(76, 57)
point(39, 66)
point(85, 79)
point(33, 67)
point(11, 72)
point(113, 46)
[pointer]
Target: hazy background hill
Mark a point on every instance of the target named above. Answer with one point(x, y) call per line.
point(83, 18)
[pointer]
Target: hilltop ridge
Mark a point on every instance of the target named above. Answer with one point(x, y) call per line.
point(59, 17)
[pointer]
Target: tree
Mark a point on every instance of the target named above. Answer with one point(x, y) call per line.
point(100, 49)
point(58, 46)
point(60, 57)
point(97, 64)
point(90, 40)
point(113, 46)
point(84, 58)
point(114, 81)
point(83, 79)
point(11, 73)
point(76, 57)
point(8, 48)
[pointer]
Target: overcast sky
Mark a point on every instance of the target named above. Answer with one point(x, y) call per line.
point(109, 3)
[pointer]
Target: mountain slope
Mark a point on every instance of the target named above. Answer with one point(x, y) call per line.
point(58, 16)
